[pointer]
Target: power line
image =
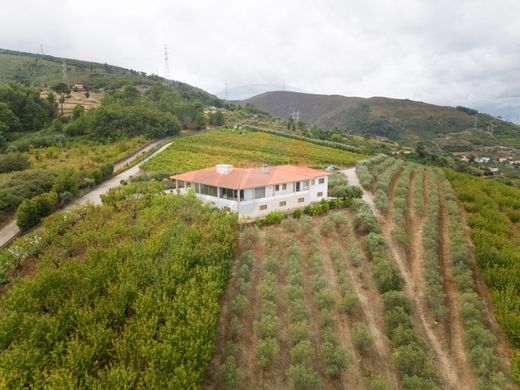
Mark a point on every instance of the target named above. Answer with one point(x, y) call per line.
point(65, 73)
point(166, 65)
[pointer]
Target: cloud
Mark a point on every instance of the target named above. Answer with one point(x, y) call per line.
point(444, 52)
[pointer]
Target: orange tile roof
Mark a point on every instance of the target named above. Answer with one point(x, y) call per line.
point(240, 178)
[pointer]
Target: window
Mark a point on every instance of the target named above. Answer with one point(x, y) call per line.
point(298, 187)
point(259, 192)
point(262, 207)
point(282, 203)
point(320, 194)
point(228, 193)
point(321, 180)
point(305, 184)
point(313, 182)
point(277, 187)
point(301, 200)
point(284, 186)
point(208, 190)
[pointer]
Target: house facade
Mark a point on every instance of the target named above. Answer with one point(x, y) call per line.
point(254, 192)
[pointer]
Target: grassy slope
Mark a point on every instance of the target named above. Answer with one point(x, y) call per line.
point(251, 148)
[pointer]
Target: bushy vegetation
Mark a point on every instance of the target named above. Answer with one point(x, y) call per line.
point(121, 297)
point(32, 211)
point(15, 187)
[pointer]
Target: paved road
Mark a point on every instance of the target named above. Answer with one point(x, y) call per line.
point(9, 231)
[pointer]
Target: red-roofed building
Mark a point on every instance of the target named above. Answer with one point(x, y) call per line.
point(253, 192)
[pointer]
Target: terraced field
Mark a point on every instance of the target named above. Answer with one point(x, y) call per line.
point(245, 149)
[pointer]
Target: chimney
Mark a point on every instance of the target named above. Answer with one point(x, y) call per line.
point(264, 168)
point(224, 169)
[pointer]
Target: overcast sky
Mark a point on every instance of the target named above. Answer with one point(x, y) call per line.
point(456, 52)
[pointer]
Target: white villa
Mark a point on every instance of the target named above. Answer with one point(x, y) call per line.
point(253, 192)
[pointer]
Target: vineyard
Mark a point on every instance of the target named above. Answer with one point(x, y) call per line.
point(424, 227)
point(244, 149)
point(119, 296)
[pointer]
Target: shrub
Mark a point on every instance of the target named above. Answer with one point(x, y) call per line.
point(298, 311)
point(33, 210)
point(274, 217)
point(66, 197)
point(418, 383)
point(267, 326)
point(350, 303)
point(303, 378)
point(381, 201)
point(387, 275)
point(393, 299)
point(412, 360)
point(298, 331)
point(297, 213)
point(267, 351)
point(334, 357)
point(11, 162)
point(302, 353)
point(361, 337)
point(239, 304)
point(66, 180)
point(228, 375)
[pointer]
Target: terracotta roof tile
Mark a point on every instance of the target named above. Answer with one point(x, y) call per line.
point(240, 178)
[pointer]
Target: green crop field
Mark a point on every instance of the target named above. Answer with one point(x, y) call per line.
point(251, 148)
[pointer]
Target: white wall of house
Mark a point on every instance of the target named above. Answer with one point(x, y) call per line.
point(282, 199)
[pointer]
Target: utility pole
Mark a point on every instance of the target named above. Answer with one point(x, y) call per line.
point(41, 48)
point(65, 73)
point(166, 65)
point(475, 121)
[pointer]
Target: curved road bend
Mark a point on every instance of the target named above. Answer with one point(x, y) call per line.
point(11, 230)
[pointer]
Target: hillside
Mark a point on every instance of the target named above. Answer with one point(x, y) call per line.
point(45, 70)
point(400, 120)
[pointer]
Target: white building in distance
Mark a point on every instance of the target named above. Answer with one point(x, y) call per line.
point(254, 192)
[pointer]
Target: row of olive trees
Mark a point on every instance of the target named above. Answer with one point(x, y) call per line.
point(333, 355)
point(411, 355)
point(478, 339)
point(228, 374)
point(434, 295)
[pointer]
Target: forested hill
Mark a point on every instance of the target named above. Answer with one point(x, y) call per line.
point(401, 120)
point(44, 70)
point(51, 128)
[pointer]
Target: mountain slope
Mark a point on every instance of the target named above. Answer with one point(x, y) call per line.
point(44, 70)
point(401, 120)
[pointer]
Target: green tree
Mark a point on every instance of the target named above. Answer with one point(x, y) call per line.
point(77, 111)
point(67, 180)
point(62, 89)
